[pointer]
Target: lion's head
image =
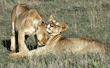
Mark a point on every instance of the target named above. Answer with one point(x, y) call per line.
point(42, 34)
point(54, 27)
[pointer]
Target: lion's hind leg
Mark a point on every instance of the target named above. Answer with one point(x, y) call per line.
point(13, 29)
point(13, 38)
point(13, 43)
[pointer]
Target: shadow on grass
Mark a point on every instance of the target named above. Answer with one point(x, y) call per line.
point(7, 43)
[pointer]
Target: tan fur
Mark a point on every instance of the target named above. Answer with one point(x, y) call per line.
point(59, 44)
point(27, 22)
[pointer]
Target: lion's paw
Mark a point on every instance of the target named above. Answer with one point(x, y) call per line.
point(14, 55)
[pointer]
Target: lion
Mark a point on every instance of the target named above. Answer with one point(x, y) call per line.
point(29, 22)
point(58, 44)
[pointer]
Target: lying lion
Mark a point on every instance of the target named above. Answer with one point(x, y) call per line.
point(29, 22)
point(58, 44)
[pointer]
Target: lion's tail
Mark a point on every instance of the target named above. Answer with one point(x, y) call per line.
point(13, 29)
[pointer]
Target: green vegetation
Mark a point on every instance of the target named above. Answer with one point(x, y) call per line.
point(85, 18)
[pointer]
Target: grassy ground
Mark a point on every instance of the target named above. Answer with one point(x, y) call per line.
point(86, 18)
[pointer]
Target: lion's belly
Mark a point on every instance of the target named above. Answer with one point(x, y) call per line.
point(30, 31)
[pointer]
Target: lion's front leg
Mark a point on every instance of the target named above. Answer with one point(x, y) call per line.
point(19, 54)
point(39, 51)
point(14, 55)
point(21, 43)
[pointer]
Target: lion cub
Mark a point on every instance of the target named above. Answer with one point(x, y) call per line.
point(57, 43)
point(29, 22)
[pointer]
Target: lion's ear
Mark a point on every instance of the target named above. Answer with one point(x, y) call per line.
point(51, 18)
point(64, 26)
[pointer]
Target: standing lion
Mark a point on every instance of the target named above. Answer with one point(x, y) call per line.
point(29, 22)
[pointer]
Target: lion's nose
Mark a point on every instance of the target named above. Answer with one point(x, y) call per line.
point(43, 42)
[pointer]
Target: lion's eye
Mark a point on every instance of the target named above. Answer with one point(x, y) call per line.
point(51, 25)
point(57, 26)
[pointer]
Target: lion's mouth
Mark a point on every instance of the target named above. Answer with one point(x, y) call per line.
point(49, 32)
